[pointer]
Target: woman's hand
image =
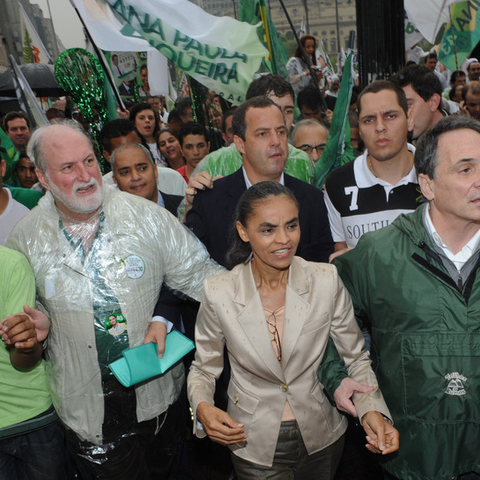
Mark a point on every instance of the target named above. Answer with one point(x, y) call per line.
point(382, 437)
point(318, 74)
point(219, 425)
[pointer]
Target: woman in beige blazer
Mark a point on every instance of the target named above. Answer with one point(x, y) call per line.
point(274, 312)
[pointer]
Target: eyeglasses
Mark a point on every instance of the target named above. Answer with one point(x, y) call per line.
point(309, 148)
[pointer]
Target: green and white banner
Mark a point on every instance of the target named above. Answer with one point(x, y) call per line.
point(221, 53)
point(254, 12)
point(462, 35)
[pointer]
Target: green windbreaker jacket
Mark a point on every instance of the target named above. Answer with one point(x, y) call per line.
point(425, 346)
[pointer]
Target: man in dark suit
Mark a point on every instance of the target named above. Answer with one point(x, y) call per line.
point(260, 135)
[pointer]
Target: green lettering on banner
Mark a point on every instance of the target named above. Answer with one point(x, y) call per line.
point(210, 54)
point(202, 67)
point(180, 38)
point(167, 51)
point(184, 66)
point(157, 27)
point(194, 45)
point(233, 74)
point(225, 74)
point(227, 56)
point(119, 7)
point(446, 47)
point(410, 28)
point(231, 97)
point(129, 31)
point(132, 14)
point(220, 72)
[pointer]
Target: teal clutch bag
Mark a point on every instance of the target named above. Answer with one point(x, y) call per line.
point(142, 363)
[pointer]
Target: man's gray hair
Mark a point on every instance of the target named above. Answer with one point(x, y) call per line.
point(426, 153)
point(307, 122)
point(35, 147)
point(126, 145)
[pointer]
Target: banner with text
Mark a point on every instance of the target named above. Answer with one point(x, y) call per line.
point(462, 35)
point(221, 53)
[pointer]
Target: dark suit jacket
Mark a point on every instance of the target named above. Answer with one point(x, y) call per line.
point(171, 202)
point(169, 305)
point(211, 217)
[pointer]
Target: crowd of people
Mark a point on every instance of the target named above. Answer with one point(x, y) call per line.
point(319, 315)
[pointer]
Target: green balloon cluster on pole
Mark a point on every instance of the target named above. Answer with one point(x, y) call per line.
point(81, 75)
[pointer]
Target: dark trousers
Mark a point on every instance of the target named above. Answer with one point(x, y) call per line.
point(37, 455)
point(291, 460)
point(149, 450)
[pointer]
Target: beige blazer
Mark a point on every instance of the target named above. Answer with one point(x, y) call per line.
point(317, 305)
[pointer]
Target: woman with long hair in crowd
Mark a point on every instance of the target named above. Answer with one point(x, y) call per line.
point(147, 124)
point(298, 70)
point(170, 148)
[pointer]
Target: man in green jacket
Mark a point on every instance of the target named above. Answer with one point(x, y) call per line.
point(414, 284)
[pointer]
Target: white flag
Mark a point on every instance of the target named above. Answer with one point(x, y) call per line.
point(105, 30)
point(221, 53)
point(33, 49)
point(429, 15)
point(303, 29)
point(412, 34)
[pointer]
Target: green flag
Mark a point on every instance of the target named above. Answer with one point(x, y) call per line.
point(254, 12)
point(461, 36)
point(10, 155)
point(338, 150)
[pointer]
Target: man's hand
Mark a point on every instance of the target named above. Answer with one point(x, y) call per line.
point(381, 436)
point(219, 425)
point(39, 320)
point(157, 333)
point(344, 393)
point(200, 181)
point(337, 253)
point(19, 331)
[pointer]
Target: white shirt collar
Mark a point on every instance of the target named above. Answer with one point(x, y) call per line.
point(463, 255)
point(249, 184)
point(365, 178)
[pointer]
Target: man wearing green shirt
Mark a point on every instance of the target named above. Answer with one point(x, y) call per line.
point(27, 418)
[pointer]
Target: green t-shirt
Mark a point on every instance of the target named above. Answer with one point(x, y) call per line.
point(23, 394)
point(26, 196)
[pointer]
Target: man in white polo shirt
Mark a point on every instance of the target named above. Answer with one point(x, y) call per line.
point(370, 192)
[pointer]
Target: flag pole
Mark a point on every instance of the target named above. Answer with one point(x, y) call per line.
point(101, 59)
point(304, 55)
point(302, 51)
point(57, 52)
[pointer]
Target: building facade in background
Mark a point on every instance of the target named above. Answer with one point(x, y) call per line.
point(11, 31)
point(329, 20)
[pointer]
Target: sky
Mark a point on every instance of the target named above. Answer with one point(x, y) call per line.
point(65, 21)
